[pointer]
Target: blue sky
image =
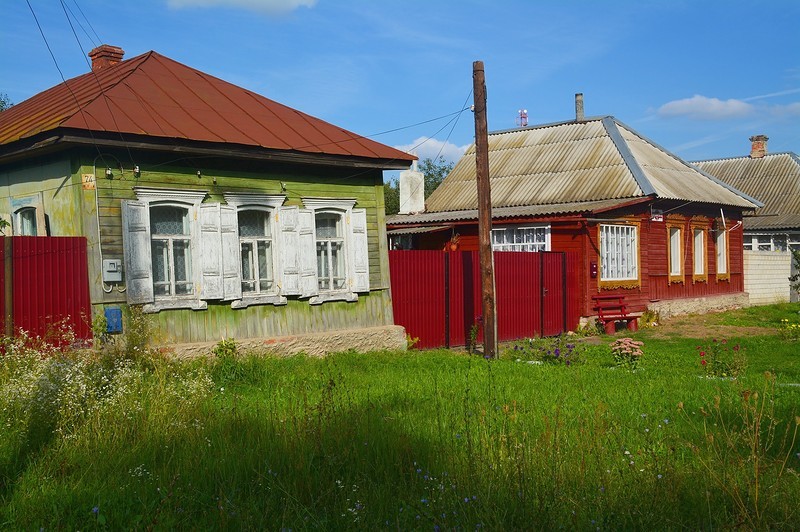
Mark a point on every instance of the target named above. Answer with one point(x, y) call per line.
point(697, 77)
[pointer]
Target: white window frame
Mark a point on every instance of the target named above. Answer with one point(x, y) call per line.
point(619, 252)
point(269, 203)
point(698, 253)
point(169, 243)
point(520, 238)
point(721, 247)
point(675, 253)
point(356, 249)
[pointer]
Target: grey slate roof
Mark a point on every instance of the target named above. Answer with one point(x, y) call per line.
point(574, 162)
point(509, 212)
point(774, 179)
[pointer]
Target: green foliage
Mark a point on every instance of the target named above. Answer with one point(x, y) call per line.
point(719, 359)
point(746, 449)
point(790, 330)
point(558, 350)
point(5, 102)
point(649, 318)
point(627, 353)
point(429, 439)
point(794, 280)
point(434, 170)
point(391, 196)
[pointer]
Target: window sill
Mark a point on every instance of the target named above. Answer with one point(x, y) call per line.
point(247, 301)
point(350, 297)
point(169, 304)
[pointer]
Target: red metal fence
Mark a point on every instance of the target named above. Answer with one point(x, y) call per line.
point(50, 285)
point(436, 296)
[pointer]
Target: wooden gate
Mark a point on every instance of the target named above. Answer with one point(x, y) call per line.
point(49, 286)
point(436, 296)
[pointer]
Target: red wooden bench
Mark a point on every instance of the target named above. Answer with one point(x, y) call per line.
point(612, 308)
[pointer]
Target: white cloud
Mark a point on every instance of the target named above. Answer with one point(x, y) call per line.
point(271, 7)
point(700, 107)
point(424, 147)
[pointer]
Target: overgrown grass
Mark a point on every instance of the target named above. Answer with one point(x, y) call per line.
point(428, 440)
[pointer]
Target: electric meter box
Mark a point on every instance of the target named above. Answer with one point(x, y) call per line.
point(112, 270)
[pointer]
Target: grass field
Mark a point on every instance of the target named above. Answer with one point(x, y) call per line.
point(419, 439)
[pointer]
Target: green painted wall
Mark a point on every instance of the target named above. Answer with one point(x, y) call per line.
point(217, 177)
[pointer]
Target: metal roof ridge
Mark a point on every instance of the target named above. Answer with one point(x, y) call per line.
point(791, 154)
point(551, 124)
point(610, 125)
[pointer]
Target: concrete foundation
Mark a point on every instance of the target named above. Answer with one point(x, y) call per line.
point(700, 305)
point(388, 337)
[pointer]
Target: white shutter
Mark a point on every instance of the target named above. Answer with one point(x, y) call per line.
point(210, 251)
point(359, 281)
point(137, 250)
point(289, 255)
point(309, 285)
point(231, 253)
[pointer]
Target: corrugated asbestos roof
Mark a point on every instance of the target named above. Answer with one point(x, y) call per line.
point(508, 212)
point(156, 96)
point(774, 179)
point(597, 159)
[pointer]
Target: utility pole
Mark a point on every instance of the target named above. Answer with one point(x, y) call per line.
point(484, 211)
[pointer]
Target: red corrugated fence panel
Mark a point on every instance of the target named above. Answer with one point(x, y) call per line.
point(417, 279)
point(51, 285)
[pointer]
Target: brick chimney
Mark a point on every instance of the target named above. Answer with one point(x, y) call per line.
point(759, 146)
point(105, 56)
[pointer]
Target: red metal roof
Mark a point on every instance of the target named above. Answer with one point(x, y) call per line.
point(156, 96)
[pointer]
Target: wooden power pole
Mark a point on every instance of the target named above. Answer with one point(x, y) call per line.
point(484, 211)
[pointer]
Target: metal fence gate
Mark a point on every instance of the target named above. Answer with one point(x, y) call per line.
point(436, 296)
point(45, 285)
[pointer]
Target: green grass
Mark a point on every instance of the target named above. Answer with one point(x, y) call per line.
point(404, 440)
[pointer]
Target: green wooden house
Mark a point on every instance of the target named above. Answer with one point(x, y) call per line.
point(222, 213)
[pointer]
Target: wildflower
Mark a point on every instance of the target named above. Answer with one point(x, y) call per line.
point(703, 362)
point(96, 510)
point(659, 476)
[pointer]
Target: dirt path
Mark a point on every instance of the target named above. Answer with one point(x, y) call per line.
point(704, 326)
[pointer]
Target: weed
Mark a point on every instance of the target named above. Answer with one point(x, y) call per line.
point(719, 359)
point(789, 330)
point(649, 318)
point(557, 350)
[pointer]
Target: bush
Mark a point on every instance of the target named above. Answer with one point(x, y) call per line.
point(627, 352)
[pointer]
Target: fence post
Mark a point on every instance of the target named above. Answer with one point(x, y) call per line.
point(447, 300)
point(8, 287)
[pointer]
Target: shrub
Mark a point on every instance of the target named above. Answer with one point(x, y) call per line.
point(649, 318)
point(627, 352)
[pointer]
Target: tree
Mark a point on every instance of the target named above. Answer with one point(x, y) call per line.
point(391, 196)
point(434, 171)
point(5, 103)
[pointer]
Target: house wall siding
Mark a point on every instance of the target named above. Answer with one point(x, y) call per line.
point(767, 276)
point(76, 214)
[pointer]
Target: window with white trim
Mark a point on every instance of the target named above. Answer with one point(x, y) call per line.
point(171, 239)
point(722, 253)
point(166, 262)
point(25, 222)
point(675, 253)
point(333, 261)
point(255, 237)
point(521, 238)
point(699, 252)
point(257, 249)
point(619, 253)
point(181, 252)
point(331, 267)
